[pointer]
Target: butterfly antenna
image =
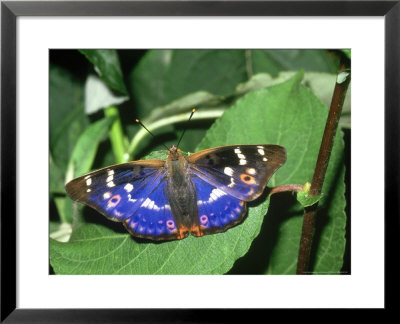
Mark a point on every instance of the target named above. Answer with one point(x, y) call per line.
point(183, 133)
point(141, 124)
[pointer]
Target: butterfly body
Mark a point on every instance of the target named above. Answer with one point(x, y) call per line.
point(203, 193)
point(181, 192)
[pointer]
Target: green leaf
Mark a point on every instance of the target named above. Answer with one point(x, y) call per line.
point(287, 114)
point(98, 96)
point(86, 148)
point(67, 118)
point(347, 52)
point(118, 141)
point(304, 198)
point(60, 232)
point(148, 80)
point(107, 66)
point(166, 75)
point(274, 61)
point(321, 84)
point(56, 178)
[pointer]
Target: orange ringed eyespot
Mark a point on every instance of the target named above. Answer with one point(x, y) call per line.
point(248, 179)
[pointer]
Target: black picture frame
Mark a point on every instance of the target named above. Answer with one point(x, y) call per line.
point(11, 10)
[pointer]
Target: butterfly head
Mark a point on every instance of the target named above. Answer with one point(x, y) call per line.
point(174, 153)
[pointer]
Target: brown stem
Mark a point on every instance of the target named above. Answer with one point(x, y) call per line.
point(320, 169)
point(290, 187)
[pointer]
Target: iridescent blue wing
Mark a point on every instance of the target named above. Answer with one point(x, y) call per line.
point(126, 193)
point(217, 211)
point(241, 171)
point(154, 219)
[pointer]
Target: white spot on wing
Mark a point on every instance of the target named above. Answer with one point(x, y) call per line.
point(110, 172)
point(261, 151)
point(228, 171)
point(89, 190)
point(218, 192)
point(214, 195)
point(110, 178)
point(117, 213)
point(251, 171)
point(242, 162)
point(107, 195)
point(265, 159)
point(89, 181)
point(241, 156)
point(146, 202)
point(111, 184)
point(130, 199)
point(128, 187)
point(151, 205)
point(238, 151)
point(232, 183)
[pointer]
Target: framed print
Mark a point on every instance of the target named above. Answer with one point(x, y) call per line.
point(178, 155)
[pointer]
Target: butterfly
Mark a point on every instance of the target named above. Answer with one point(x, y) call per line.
point(202, 193)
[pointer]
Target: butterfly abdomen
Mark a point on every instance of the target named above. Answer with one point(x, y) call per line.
point(181, 194)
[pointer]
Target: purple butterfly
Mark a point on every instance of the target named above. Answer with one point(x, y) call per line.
point(203, 193)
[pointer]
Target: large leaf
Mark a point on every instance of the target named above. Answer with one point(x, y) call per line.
point(176, 73)
point(107, 66)
point(321, 84)
point(164, 78)
point(287, 114)
point(67, 118)
point(166, 75)
point(274, 61)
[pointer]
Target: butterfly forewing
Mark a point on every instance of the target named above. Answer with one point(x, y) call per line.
point(242, 171)
point(117, 191)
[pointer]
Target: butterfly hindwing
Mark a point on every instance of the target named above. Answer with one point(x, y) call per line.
point(117, 191)
point(154, 219)
point(217, 210)
point(242, 171)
